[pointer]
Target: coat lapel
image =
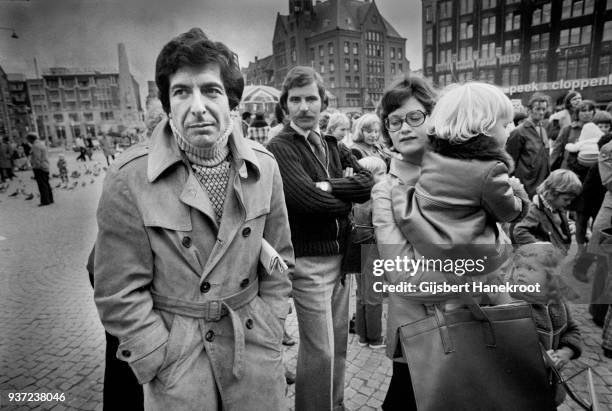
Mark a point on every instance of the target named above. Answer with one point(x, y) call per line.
point(194, 196)
point(234, 215)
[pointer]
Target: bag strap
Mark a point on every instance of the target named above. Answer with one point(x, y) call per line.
point(477, 312)
point(563, 381)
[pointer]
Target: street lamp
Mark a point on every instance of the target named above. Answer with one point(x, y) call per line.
point(14, 35)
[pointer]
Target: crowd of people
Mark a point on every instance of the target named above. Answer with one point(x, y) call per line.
point(189, 221)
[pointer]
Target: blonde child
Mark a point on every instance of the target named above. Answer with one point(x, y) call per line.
point(464, 188)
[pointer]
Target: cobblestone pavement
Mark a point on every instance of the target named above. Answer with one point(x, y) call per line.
point(51, 339)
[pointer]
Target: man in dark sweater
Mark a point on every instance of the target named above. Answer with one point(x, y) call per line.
point(319, 189)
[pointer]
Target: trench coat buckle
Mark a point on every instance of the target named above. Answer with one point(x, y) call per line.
point(215, 311)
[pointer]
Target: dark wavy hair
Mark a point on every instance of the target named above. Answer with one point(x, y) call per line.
point(301, 76)
point(396, 95)
point(195, 49)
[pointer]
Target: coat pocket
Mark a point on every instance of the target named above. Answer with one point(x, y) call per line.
point(175, 347)
point(266, 324)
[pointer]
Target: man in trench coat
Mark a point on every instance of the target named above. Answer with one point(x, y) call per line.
point(181, 221)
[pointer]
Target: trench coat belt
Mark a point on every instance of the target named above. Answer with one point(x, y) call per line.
point(214, 311)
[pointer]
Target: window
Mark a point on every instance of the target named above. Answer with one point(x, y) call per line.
point(510, 75)
point(346, 47)
point(321, 52)
point(575, 36)
point(466, 6)
point(428, 59)
point(488, 25)
point(330, 48)
point(607, 31)
point(605, 65)
point(609, 5)
point(513, 21)
point(489, 4)
point(428, 36)
point(541, 15)
point(332, 66)
point(446, 33)
point(538, 72)
point(446, 9)
point(428, 14)
point(355, 48)
point(445, 56)
point(347, 65)
point(357, 82)
point(576, 8)
point(487, 76)
point(400, 54)
point(573, 68)
point(400, 67)
point(487, 50)
point(58, 118)
point(540, 41)
point(332, 82)
point(322, 68)
point(392, 53)
point(512, 1)
point(466, 53)
point(512, 46)
point(356, 65)
point(88, 116)
point(466, 31)
point(392, 68)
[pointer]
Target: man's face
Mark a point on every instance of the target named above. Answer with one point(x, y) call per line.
point(198, 104)
point(304, 106)
point(538, 109)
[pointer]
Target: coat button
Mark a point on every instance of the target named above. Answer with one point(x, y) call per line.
point(210, 336)
point(249, 323)
point(205, 287)
point(244, 283)
point(186, 241)
point(246, 232)
point(126, 353)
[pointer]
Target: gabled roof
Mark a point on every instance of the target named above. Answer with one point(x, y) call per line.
point(345, 15)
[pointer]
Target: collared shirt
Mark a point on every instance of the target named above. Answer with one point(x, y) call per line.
point(539, 128)
point(305, 133)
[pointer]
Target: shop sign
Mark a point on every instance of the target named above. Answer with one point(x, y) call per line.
point(576, 84)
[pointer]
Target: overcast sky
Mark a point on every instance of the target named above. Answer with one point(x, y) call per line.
point(85, 33)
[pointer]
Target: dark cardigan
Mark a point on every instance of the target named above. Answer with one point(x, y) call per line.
point(318, 219)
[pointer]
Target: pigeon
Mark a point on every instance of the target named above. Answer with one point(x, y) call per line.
point(58, 185)
point(29, 197)
point(75, 174)
point(15, 194)
point(104, 168)
point(92, 181)
point(83, 184)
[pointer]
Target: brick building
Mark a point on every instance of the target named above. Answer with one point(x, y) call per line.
point(521, 45)
point(348, 42)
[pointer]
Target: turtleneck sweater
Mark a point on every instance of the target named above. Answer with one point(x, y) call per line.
point(211, 165)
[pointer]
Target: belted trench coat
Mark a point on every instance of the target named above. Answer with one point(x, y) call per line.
point(198, 319)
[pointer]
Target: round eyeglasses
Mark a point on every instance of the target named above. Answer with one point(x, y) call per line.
point(413, 119)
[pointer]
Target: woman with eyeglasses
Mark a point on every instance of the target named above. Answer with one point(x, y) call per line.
point(451, 193)
point(403, 111)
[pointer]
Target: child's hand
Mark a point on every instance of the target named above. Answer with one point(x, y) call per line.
point(561, 356)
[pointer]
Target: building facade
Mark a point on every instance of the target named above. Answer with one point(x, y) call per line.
point(20, 109)
point(352, 46)
point(524, 46)
point(6, 127)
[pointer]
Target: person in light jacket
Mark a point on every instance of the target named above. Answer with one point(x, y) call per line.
point(181, 222)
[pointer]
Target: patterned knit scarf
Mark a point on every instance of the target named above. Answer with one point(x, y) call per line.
point(211, 165)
